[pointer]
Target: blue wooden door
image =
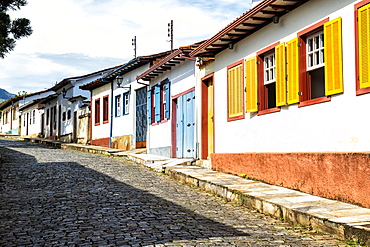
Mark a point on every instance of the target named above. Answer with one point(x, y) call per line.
point(185, 126)
point(141, 117)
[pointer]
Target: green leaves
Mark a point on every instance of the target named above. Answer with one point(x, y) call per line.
point(12, 30)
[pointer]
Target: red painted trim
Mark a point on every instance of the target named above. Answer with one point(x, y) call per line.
point(267, 111)
point(229, 119)
point(315, 101)
point(268, 48)
point(97, 112)
point(160, 63)
point(183, 93)
point(104, 142)
point(235, 64)
point(262, 104)
point(313, 27)
point(107, 120)
point(359, 91)
point(173, 129)
point(204, 116)
point(164, 121)
point(210, 75)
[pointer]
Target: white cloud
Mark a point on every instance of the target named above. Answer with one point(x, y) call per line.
point(99, 29)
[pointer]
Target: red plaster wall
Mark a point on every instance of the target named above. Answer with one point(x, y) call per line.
point(103, 142)
point(338, 176)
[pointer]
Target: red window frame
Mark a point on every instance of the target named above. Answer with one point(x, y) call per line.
point(262, 90)
point(359, 91)
point(105, 109)
point(97, 111)
point(304, 82)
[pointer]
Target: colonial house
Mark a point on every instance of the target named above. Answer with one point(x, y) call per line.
point(63, 109)
point(10, 116)
point(13, 114)
point(171, 105)
point(285, 93)
point(32, 114)
point(118, 105)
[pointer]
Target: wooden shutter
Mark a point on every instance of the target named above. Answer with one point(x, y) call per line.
point(280, 58)
point(235, 92)
point(364, 45)
point(168, 100)
point(157, 103)
point(293, 71)
point(251, 84)
point(149, 106)
point(333, 57)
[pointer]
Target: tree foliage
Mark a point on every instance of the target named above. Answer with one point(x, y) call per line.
point(11, 30)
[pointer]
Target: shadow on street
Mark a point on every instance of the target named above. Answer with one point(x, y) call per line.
point(67, 203)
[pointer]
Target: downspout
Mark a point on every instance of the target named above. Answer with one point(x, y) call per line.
point(111, 115)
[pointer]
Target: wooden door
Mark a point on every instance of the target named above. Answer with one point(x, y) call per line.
point(141, 117)
point(207, 128)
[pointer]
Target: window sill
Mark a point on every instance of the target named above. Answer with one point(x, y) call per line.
point(164, 121)
point(361, 91)
point(105, 122)
point(229, 119)
point(97, 124)
point(314, 101)
point(267, 111)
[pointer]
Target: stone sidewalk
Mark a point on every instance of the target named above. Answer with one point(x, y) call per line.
point(346, 221)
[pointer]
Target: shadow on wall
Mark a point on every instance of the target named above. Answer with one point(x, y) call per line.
point(66, 197)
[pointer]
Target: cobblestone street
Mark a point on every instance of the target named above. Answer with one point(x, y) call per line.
point(53, 197)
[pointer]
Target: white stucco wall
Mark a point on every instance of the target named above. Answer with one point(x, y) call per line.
point(338, 125)
point(182, 78)
point(103, 129)
point(124, 125)
point(32, 125)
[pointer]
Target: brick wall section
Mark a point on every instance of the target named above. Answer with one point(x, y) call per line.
point(338, 176)
point(103, 142)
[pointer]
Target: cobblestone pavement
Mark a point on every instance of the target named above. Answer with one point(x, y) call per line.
point(52, 197)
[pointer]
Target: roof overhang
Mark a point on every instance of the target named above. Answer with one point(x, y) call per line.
point(250, 22)
point(166, 64)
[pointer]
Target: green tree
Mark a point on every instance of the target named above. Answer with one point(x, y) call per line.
point(11, 30)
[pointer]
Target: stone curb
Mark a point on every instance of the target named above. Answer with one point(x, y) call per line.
point(346, 221)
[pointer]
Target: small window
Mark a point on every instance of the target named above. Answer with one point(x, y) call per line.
point(64, 116)
point(105, 109)
point(118, 106)
point(47, 116)
point(269, 68)
point(97, 112)
point(69, 114)
point(126, 103)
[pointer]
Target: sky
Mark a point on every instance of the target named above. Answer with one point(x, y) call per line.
point(77, 37)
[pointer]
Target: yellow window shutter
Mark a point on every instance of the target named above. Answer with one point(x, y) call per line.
point(293, 71)
point(235, 91)
point(251, 84)
point(333, 57)
point(280, 74)
point(364, 45)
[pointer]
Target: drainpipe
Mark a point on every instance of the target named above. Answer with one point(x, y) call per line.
point(111, 115)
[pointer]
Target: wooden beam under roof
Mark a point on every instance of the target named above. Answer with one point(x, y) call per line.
point(261, 19)
point(250, 24)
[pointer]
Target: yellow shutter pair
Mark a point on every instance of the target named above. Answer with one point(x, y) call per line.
point(364, 45)
point(287, 66)
point(251, 79)
point(235, 91)
point(333, 62)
